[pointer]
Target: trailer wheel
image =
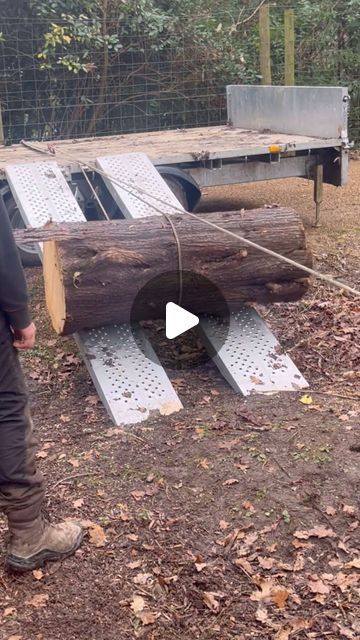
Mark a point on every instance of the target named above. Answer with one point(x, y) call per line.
point(28, 253)
point(182, 185)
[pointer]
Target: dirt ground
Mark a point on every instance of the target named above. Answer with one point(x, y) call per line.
point(233, 519)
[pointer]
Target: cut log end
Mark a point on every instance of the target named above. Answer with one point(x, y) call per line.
point(54, 287)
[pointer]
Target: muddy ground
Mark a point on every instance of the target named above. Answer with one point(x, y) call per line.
point(234, 519)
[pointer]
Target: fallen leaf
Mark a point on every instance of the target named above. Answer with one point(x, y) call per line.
point(230, 481)
point(78, 503)
point(265, 588)
point(261, 615)
point(134, 565)
point(42, 454)
point(64, 418)
point(331, 511)
point(9, 611)
point(147, 617)
point(141, 578)
point(137, 495)
point(344, 581)
point(214, 392)
point(245, 565)
point(132, 537)
point(248, 506)
point(316, 532)
point(302, 545)
point(137, 604)
point(318, 586)
point(209, 598)
point(280, 597)
point(39, 600)
point(200, 566)
point(229, 444)
point(266, 563)
point(354, 525)
point(38, 574)
point(204, 463)
point(15, 638)
point(223, 525)
point(74, 462)
point(97, 535)
point(349, 510)
point(299, 562)
point(256, 380)
point(306, 399)
point(353, 564)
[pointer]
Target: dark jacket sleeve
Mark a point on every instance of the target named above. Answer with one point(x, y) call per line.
point(13, 289)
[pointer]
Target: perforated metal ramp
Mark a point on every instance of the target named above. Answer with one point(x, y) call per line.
point(129, 384)
point(251, 359)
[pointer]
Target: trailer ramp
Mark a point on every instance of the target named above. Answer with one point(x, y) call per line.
point(129, 384)
point(251, 359)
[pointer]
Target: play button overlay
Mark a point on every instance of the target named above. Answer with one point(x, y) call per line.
point(178, 320)
point(172, 317)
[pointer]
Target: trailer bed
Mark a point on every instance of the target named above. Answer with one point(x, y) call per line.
point(170, 146)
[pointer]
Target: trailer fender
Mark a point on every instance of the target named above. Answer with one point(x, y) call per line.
point(182, 184)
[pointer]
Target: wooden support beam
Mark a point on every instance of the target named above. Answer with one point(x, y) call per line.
point(289, 37)
point(265, 52)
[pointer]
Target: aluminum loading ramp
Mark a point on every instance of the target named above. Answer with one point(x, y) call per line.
point(251, 359)
point(129, 384)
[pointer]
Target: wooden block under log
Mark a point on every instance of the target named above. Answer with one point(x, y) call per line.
point(93, 271)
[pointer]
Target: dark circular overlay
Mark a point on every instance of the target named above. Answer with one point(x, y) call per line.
point(199, 296)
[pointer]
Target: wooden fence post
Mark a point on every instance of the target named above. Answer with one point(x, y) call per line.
point(289, 35)
point(265, 55)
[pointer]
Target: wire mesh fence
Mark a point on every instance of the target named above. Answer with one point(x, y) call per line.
point(144, 67)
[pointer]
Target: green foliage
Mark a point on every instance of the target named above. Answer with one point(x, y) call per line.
point(80, 67)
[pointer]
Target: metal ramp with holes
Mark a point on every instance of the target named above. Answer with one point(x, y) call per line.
point(251, 360)
point(129, 384)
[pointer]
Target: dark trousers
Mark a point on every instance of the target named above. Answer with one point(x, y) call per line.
point(21, 485)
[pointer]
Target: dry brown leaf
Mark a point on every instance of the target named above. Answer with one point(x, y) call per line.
point(331, 511)
point(38, 574)
point(316, 532)
point(266, 563)
point(229, 444)
point(353, 564)
point(265, 588)
point(9, 611)
point(245, 565)
point(200, 566)
point(78, 503)
point(39, 600)
point(224, 525)
point(134, 565)
point(137, 604)
point(354, 525)
point(210, 600)
point(248, 506)
point(141, 578)
point(137, 494)
point(230, 481)
point(97, 535)
point(280, 597)
point(64, 418)
point(74, 462)
point(261, 615)
point(204, 463)
point(147, 617)
point(42, 454)
point(318, 586)
point(302, 545)
point(15, 638)
point(344, 581)
point(349, 510)
point(132, 537)
point(299, 562)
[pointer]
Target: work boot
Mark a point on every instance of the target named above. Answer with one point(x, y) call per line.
point(43, 541)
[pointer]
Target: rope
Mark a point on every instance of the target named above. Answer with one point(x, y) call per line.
point(129, 188)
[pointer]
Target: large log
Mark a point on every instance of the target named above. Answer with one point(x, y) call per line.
point(94, 271)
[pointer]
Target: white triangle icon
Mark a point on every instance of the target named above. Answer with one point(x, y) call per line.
point(178, 320)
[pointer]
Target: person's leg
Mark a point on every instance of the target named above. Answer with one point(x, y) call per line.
point(32, 539)
point(21, 485)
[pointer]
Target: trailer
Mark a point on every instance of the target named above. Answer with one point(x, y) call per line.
point(272, 132)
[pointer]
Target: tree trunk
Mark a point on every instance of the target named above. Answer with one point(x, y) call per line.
point(93, 272)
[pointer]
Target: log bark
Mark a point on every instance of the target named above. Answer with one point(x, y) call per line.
point(93, 272)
